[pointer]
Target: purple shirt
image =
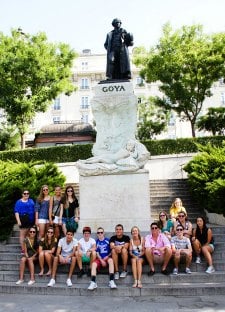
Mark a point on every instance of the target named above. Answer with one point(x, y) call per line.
point(162, 241)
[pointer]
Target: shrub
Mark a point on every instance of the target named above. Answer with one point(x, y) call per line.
point(14, 177)
point(206, 176)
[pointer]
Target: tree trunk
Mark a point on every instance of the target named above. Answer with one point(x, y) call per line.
point(22, 140)
point(193, 129)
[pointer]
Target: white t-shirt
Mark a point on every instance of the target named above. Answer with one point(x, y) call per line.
point(86, 245)
point(67, 248)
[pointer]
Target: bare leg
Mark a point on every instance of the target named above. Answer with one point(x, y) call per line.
point(149, 257)
point(49, 258)
point(22, 267)
point(41, 230)
point(31, 268)
point(167, 256)
point(124, 254)
point(207, 250)
point(115, 260)
point(72, 266)
point(41, 262)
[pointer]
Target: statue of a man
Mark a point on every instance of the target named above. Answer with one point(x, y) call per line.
point(116, 44)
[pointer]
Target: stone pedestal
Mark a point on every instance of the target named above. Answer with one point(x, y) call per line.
point(114, 187)
point(106, 200)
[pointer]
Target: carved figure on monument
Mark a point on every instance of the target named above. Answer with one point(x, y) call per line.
point(116, 44)
point(130, 158)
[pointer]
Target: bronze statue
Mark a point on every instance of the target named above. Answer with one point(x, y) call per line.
point(116, 44)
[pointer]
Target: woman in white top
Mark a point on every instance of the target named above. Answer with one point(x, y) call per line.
point(136, 252)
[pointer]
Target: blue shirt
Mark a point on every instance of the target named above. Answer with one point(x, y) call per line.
point(22, 208)
point(103, 247)
point(43, 209)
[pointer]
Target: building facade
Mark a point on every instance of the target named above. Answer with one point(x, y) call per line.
point(88, 70)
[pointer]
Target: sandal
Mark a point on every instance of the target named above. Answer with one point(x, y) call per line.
point(135, 284)
point(139, 284)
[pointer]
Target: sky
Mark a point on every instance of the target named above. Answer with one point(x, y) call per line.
point(83, 24)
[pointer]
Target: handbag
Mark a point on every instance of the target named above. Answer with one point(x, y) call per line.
point(71, 224)
point(25, 221)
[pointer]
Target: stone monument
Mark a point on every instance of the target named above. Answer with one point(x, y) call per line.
point(114, 186)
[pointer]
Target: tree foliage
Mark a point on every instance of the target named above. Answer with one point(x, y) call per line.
point(9, 137)
point(33, 72)
point(206, 175)
point(14, 177)
point(186, 62)
point(152, 119)
point(213, 121)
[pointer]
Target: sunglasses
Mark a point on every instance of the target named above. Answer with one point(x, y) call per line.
point(179, 230)
point(69, 191)
point(26, 193)
point(50, 232)
point(32, 231)
point(45, 190)
point(99, 232)
point(181, 216)
point(162, 215)
point(154, 228)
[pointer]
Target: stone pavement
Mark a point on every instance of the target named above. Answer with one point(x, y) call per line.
point(37, 303)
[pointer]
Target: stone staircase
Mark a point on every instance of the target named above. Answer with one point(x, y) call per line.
point(196, 284)
point(163, 193)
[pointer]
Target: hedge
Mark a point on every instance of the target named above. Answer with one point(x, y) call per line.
point(72, 153)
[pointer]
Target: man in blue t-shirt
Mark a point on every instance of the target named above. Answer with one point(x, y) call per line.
point(103, 259)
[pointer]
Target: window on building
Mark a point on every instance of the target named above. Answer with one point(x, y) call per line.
point(172, 120)
point(84, 102)
point(56, 104)
point(84, 83)
point(56, 119)
point(222, 97)
point(84, 118)
point(84, 65)
point(139, 81)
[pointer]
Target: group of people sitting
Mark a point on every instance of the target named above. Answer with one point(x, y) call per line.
point(168, 238)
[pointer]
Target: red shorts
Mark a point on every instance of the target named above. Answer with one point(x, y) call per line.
point(99, 265)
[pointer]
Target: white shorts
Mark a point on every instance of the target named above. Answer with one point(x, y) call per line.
point(56, 220)
point(43, 221)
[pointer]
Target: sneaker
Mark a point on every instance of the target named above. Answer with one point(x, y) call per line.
point(198, 260)
point(30, 283)
point(210, 270)
point(112, 284)
point(188, 271)
point(80, 273)
point(123, 274)
point(175, 271)
point(116, 275)
point(68, 282)
point(19, 282)
point(92, 286)
point(51, 283)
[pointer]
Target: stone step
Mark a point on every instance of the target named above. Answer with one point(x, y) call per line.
point(158, 278)
point(219, 264)
point(149, 289)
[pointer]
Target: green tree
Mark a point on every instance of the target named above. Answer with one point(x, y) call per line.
point(206, 176)
point(186, 62)
point(33, 72)
point(14, 177)
point(152, 119)
point(9, 137)
point(213, 121)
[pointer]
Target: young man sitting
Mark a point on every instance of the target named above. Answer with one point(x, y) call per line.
point(65, 254)
point(157, 249)
point(86, 252)
point(103, 260)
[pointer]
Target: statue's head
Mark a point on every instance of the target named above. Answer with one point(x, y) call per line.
point(116, 21)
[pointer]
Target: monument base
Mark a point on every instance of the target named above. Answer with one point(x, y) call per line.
point(106, 200)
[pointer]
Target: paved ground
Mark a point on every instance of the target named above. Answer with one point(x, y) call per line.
point(31, 303)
